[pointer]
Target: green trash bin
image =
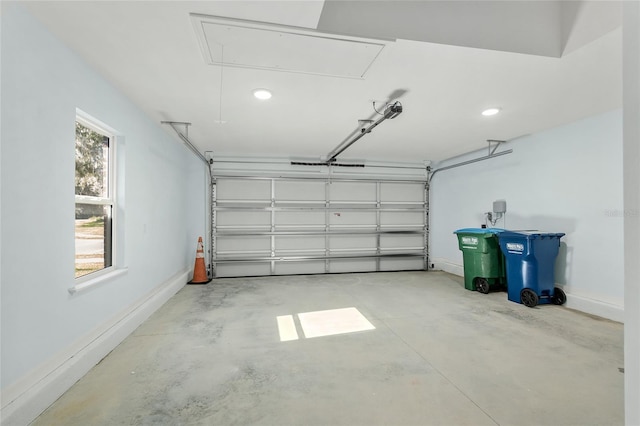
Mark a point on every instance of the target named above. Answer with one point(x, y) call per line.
point(483, 260)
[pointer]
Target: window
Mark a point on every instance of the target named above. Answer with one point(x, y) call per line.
point(94, 206)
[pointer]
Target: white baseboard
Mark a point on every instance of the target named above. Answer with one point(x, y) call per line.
point(599, 308)
point(30, 396)
point(582, 303)
point(447, 266)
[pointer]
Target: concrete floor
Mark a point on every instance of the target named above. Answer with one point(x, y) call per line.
point(440, 355)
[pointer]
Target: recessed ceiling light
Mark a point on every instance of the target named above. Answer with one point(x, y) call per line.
point(262, 94)
point(490, 111)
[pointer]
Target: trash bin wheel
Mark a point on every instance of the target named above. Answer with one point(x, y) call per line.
point(482, 285)
point(528, 297)
point(559, 298)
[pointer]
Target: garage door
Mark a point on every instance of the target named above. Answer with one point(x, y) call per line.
point(281, 226)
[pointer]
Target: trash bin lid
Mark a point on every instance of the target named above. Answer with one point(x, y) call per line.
point(479, 231)
point(530, 235)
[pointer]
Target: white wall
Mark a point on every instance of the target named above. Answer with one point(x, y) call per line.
point(631, 96)
point(43, 83)
point(567, 179)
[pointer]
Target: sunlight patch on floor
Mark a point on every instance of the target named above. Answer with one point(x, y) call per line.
point(287, 328)
point(333, 321)
point(322, 323)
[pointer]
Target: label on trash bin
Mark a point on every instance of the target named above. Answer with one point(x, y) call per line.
point(473, 241)
point(515, 248)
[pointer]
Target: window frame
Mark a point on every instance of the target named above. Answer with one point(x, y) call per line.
point(110, 200)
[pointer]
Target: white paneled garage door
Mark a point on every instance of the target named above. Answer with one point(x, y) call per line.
point(279, 226)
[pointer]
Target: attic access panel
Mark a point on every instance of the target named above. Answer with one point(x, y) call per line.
point(249, 44)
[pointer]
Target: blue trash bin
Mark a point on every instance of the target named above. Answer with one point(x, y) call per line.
point(530, 258)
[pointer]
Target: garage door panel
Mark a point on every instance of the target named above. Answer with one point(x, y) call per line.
point(354, 213)
point(401, 192)
point(401, 241)
point(352, 191)
point(352, 265)
point(300, 242)
point(292, 268)
point(243, 219)
point(242, 269)
point(403, 218)
point(238, 189)
point(285, 219)
point(367, 242)
point(243, 245)
point(300, 190)
point(410, 264)
point(351, 218)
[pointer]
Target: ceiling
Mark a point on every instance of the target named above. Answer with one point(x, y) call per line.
point(544, 63)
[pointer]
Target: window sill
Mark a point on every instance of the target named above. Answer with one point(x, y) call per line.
point(94, 282)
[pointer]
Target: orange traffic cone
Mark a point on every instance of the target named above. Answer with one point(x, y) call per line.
point(199, 271)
